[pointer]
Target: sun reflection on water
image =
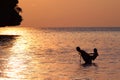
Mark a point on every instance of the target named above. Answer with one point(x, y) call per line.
point(12, 31)
point(18, 58)
point(50, 55)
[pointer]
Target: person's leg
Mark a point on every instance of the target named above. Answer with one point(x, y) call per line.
point(87, 58)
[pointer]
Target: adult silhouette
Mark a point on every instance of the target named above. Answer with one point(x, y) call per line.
point(86, 56)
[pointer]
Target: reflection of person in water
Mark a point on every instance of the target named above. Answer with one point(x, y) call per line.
point(87, 57)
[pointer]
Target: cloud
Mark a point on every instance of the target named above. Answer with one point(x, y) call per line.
point(9, 13)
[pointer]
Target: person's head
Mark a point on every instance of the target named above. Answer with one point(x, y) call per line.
point(78, 48)
point(95, 49)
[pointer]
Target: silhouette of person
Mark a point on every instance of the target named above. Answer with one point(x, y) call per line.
point(86, 56)
point(95, 54)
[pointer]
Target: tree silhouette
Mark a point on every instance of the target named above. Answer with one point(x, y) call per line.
point(9, 13)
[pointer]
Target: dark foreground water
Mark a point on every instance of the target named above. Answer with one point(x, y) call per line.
point(49, 54)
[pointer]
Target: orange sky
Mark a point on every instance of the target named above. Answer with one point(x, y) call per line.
point(51, 13)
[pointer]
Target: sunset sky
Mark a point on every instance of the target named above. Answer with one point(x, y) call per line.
point(69, 13)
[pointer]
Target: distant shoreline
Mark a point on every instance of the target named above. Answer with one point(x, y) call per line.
point(83, 28)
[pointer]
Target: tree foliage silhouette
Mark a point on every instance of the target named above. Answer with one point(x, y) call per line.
point(10, 13)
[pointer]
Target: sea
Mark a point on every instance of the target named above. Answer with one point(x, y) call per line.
point(50, 53)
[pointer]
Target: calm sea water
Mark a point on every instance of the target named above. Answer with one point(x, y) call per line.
point(49, 54)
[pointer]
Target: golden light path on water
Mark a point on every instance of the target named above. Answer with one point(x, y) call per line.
point(17, 59)
point(21, 60)
point(38, 54)
point(25, 63)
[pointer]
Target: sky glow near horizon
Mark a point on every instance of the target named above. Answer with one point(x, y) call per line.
point(63, 13)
